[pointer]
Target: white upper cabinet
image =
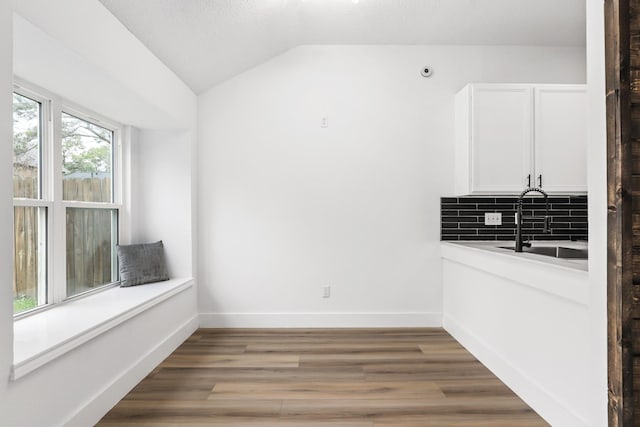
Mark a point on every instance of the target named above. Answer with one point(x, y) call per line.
point(511, 136)
point(560, 138)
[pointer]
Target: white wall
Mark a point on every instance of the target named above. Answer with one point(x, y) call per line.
point(6, 204)
point(286, 206)
point(95, 61)
point(597, 174)
point(89, 58)
point(161, 196)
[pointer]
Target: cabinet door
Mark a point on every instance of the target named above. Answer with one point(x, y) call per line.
point(561, 138)
point(501, 138)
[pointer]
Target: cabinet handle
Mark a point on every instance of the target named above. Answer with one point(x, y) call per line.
point(540, 180)
point(529, 181)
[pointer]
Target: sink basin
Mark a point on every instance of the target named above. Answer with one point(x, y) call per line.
point(554, 251)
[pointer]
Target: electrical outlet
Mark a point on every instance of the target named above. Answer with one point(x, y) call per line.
point(326, 291)
point(324, 122)
point(492, 218)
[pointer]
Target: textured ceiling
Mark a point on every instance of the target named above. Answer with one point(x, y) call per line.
point(208, 41)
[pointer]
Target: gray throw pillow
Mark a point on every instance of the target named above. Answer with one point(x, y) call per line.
point(142, 263)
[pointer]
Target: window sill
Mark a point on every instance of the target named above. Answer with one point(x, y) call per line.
point(45, 336)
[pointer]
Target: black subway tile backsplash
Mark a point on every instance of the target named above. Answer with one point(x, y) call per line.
point(462, 218)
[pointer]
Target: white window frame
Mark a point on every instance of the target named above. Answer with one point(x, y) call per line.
point(44, 199)
point(51, 195)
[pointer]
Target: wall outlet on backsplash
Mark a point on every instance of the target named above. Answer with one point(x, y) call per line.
point(492, 218)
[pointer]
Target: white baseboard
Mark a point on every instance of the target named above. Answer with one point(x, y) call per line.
point(320, 320)
point(111, 394)
point(544, 403)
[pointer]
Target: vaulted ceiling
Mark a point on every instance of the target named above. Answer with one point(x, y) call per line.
point(208, 41)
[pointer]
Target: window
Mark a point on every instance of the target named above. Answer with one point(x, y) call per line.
point(30, 207)
point(87, 177)
point(66, 200)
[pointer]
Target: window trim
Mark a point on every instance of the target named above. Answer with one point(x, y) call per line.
point(51, 195)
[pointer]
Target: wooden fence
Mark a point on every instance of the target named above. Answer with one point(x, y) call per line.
point(25, 259)
point(88, 236)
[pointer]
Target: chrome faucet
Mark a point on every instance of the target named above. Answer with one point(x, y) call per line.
point(520, 243)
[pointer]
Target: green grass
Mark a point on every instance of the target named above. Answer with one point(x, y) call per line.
point(23, 303)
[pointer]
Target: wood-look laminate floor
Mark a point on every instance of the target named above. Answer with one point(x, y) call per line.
point(321, 378)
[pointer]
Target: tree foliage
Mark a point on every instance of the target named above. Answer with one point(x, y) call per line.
point(85, 147)
point(25, 139)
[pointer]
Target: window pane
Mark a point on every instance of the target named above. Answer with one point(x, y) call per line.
point(26, 147)
point(29, 270)
point(87, 158)
point(91, 248)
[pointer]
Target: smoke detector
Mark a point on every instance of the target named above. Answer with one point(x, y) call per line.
point(426, 71)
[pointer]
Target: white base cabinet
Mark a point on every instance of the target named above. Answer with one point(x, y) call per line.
point(513, 136)
point(528, 322)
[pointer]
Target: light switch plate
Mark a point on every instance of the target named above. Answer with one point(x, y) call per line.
point(326, 291)
point(492, 218)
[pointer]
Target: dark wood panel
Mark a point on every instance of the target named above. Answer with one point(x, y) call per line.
point(635, 49)
point(636, 310)
point(635, 143)
point(634, 59)
point(348, 378)
point(633, 17)
point(634, 86)
point(636, 264)
point(622, 88)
